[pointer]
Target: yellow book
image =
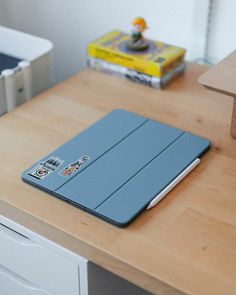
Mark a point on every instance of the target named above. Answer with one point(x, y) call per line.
point(159, 59)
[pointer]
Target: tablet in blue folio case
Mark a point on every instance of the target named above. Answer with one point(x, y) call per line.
point(119, 166)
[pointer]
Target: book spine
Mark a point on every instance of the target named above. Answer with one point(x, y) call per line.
point(177, 71)
point(135, 76)
point(125, 60)
point(123, 72)
point(172, 62)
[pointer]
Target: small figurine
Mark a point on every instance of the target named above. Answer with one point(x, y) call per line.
point(138, 42)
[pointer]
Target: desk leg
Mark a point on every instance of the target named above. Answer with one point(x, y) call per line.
point(233, 122)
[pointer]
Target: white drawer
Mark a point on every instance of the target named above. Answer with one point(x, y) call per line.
point(11, 284)
point(38, 265)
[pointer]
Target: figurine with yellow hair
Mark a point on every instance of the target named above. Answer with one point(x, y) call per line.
point(138, 42)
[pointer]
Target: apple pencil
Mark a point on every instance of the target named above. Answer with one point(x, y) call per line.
point(177, 180)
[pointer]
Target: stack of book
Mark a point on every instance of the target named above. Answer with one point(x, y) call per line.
point(156, 66)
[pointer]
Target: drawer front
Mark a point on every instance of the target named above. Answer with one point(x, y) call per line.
point(38, 265)
point(11, 284)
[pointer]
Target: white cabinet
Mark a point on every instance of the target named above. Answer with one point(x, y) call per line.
point(11, 284)
point(33, 265)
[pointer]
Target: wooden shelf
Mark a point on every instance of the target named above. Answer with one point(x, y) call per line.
point(222, 78)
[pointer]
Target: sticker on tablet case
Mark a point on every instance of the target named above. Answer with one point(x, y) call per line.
point(72, 167)
point(43, 169)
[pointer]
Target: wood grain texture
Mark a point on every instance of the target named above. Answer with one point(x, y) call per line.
point(233, 119)
point(186, 244)
point(222, 78)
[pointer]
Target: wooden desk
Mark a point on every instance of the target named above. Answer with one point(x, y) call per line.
point(186, 244)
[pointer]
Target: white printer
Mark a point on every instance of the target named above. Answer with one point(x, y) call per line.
point(28, 67)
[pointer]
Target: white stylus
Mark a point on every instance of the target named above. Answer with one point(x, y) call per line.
point(169, 187)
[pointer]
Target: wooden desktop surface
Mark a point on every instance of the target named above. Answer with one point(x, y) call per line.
point(187, 243)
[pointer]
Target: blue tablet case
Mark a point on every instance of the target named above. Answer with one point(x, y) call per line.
point(117, 166)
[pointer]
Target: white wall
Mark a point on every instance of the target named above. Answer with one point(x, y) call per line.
point(71, 24)
point(223, 29)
